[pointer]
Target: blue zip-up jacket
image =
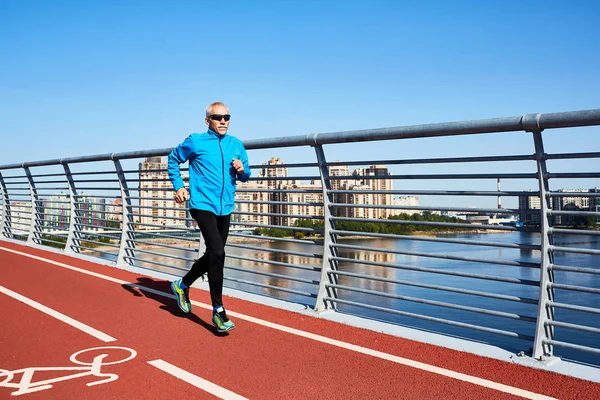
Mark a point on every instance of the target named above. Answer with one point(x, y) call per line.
point(212, 177)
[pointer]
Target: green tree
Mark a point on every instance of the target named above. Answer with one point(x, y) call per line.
point(590, 222)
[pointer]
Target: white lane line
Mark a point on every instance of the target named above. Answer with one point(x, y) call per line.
point(323, 339)
point(62, 317)
point(400, 360)
point(192, 379)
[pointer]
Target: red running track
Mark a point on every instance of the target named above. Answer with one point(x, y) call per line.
point(165, 354)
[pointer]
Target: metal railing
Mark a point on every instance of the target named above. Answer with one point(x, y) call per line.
point(312, 231)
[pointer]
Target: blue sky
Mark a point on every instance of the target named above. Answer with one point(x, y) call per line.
point(100, 76)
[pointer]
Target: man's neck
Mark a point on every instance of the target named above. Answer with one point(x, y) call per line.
point(217, 134)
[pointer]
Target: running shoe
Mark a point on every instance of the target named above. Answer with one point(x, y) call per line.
point(220, 320)
point(182, 296)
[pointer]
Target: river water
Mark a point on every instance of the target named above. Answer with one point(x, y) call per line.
point(524, 310)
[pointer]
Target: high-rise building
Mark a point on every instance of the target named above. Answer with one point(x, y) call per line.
point(379, 184)
point(114, 209)
point(91, 212)
point(57, 213)
point(277, 172)
point(252, 197)
point(285, 195)
point(157, 206)
point(276, 188)
point(362, 199)
point(20, 217)
point(338, 170)
point(344, 185)
point(309, 193)
point(530, 203)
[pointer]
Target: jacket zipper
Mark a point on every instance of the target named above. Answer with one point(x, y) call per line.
point(223, 171)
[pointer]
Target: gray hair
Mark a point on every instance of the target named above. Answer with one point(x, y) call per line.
point(210, 107)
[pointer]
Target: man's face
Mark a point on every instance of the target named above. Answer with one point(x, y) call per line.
point(219, 126)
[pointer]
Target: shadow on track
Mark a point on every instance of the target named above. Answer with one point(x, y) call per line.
point(140, 288)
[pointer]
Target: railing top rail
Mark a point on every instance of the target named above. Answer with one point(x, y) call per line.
point(527, 122)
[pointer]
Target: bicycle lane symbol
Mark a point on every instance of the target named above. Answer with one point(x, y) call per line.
point(26, 384)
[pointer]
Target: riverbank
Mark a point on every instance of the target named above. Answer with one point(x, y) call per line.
point(158, 244)
point(181, 243)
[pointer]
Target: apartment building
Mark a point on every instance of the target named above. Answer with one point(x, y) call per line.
point(360, 181)
point(533, 204)
point(338, 171)
point(57, 213)
point(91, 212)
point(410, 201)
point(251, 203)
point(572, 200)
point(595, 203)
point(572, 203)
point(156, 206)
point(269, 201)
point(380, 184)
point(20, 217)
point(310, 194)
point(274, 168)
point(362, 199)
point(114, 209)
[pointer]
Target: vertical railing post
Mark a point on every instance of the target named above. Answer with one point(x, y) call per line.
point(127, 244)
point(5, 219)
point(74, 234)
point(35, 227)
point(329, 252)
point(544, 331)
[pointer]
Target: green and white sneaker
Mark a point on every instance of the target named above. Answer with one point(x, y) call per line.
point(182, 296)
point(220, 320)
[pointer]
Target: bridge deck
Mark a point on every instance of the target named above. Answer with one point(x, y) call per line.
point(56, 310)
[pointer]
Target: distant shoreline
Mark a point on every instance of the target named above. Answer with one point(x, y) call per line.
point(188, 244)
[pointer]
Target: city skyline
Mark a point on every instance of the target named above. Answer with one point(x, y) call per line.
point(277, 198)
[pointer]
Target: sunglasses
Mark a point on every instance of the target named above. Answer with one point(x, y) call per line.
point(218, 117)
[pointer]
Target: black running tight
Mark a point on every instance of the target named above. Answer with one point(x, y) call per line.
point(214, 230)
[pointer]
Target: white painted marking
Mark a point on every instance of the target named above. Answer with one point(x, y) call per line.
point(192, 379)
point(26, 384)
point(323, 339)
point(60, 316)
point(400, 360)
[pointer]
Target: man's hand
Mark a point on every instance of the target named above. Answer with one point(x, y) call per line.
point(181, 195)
point(238, 166)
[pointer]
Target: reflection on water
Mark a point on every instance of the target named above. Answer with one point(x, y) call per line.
point(406, 280)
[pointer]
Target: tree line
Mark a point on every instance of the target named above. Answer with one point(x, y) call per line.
point(370, 227)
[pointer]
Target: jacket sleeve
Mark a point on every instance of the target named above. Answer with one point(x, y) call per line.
point(179, 155)
point(244, 159)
